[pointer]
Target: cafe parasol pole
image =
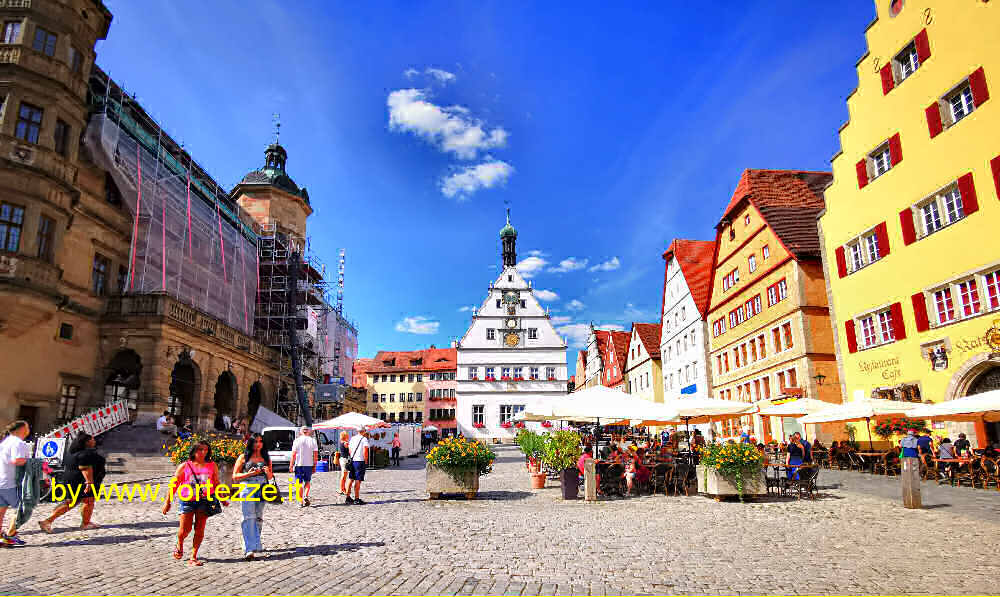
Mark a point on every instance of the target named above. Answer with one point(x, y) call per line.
point(868, 423)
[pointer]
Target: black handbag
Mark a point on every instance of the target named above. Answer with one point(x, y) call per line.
point(210, 505)
point(275, 497)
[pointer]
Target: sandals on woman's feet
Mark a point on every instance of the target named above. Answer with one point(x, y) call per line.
point(45, 526)
point(89, 527)
point(178, 552)
point(195, 562)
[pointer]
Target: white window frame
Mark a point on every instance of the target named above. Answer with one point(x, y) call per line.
point(518, 372)
point(875, 328)
point(490, 372)
point(862, 250)
point(880, 161)
point(946, 203)
point(906, 62)
point(550, 372)
point(752, 262)
point(491, 334)
point(533, 373)
point(960, 103)
point(507, 412)
point(765, 252)
point(504, 372)
point(532, 333)
point(478, 414)
point(473, 372)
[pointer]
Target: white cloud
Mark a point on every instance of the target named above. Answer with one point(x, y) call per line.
point(610, 265)
point(537, 253)
point(560, 319)
point(442, 76)
point(576, 334)
point(631, 313)
point(530, 266)
point(410, 73)
point(470, 179)
point(546, 295)
point(418, 325)
point(575, 305)
point(450, 128)
point(569, 265)
point(465, 309)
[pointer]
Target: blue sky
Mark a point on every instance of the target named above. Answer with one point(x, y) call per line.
point(610, 130)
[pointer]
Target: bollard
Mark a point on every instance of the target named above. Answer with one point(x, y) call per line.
point(910, 477)
point(590, 480)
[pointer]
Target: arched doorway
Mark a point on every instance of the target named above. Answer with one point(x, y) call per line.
point(254, 401)
point(225, 394)
point(984, 382)
point(185, 380)
point(123, 378)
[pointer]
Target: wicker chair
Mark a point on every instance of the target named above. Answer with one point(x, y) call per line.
point(661, 477)
point(967, 471)
point(989, 473)
point(928, 468)
point(889, 465)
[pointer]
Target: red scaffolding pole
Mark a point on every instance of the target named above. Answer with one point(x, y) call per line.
point(135, 227)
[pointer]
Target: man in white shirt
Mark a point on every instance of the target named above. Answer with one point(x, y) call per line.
point(305, 453)
point(358, 448)
point(165, 424)
point(13, 453)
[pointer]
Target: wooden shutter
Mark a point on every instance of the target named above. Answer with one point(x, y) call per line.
point(882, 234)
point(923, 46)
point(906, 223)
point(898, 327)
point(995, 165)
point(887, 82)
point(841, 262)
point(970, 203)
point(920, 312)
point(977, 81)
point(852, 338)
point(895, 150)
point(934, 125)
point(862, 168)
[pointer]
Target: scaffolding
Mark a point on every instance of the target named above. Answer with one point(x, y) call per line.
point(187, 239)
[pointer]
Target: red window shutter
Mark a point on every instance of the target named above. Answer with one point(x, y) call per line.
point(923, 46)
point(882, 234)
point(906, 223)
point(970, 203)
point(862, 168)
point(841, 262)
point(920, 312)
point(934, 125)
point(980, 93)
point(887, 82)
point(895, 149)
point(852, 338)
point(995, 165)
point(898, 327)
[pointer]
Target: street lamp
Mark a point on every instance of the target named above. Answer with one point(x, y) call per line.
point(819, 377)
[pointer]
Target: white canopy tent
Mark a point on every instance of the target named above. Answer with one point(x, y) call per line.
point(354, 421)
point(858, 410)
point(985, 406)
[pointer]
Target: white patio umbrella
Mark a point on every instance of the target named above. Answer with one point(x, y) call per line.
point(355, 421)
point(985, 406)
point(795, 408)
point(430, 428)
point(700, 410)
point(858, 410)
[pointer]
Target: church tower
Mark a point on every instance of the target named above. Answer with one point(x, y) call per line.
point(508, 237)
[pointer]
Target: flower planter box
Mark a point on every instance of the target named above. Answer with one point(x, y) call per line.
point(439, 481)
point(713, 484)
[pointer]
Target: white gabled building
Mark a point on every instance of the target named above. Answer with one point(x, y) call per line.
point(510, 354)
point(683, 330)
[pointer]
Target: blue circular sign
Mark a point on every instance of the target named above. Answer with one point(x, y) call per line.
point(50, 448)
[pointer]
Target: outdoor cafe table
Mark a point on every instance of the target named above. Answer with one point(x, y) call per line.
point(873, 456)
point(958, 462)
point(780, 469)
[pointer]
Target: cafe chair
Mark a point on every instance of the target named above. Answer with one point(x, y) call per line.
point(989, 474)
point(661, 477)
point(928, 468)
point(613, 480)
point(804, 482)
point(681, 478)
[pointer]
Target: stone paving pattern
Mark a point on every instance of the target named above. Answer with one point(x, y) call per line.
point(856, 538)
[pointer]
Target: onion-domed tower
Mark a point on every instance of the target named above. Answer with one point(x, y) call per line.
point(508, 237)
point(270, 196)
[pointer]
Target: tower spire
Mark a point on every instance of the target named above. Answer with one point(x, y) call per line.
point(508, 238)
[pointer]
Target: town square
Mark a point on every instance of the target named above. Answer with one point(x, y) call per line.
point(499, 299)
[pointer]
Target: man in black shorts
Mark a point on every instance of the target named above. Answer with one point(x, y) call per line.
point(358, 448)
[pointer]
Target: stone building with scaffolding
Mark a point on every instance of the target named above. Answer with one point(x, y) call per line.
point(126, 270)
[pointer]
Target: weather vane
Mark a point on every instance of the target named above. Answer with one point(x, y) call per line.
point(276, 117)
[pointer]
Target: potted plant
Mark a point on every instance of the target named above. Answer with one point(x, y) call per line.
point(478, 425)
point(899, 426)
point(562, 450)
point(532, 445)
point(547, 424)
point(731, 469)
point(455, 464)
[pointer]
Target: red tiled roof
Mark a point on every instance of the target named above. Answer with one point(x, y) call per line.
point(649, 334)
point(695, 260)
point(620, 341)
point(789, 201)
point(358, 371)
point(429, 359)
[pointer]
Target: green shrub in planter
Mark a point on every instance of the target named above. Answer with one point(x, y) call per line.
point(562, 450)
point(532, 444)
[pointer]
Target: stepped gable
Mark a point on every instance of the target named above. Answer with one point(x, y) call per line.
point(649, 334)
point(789, 201)
point(695, 260)
point(620, 342)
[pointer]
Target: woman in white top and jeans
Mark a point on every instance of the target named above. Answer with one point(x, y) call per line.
point(253, 467)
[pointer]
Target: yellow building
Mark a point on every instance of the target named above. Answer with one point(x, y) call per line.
point(413, 387)
point(909, 231)
point(643, 371)
point(770, 333)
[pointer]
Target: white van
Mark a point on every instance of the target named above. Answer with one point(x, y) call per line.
point(278, 441)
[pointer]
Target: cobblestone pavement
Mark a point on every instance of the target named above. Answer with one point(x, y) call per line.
point(856, 538)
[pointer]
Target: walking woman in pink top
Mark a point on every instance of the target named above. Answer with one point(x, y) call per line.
point(194, 482)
